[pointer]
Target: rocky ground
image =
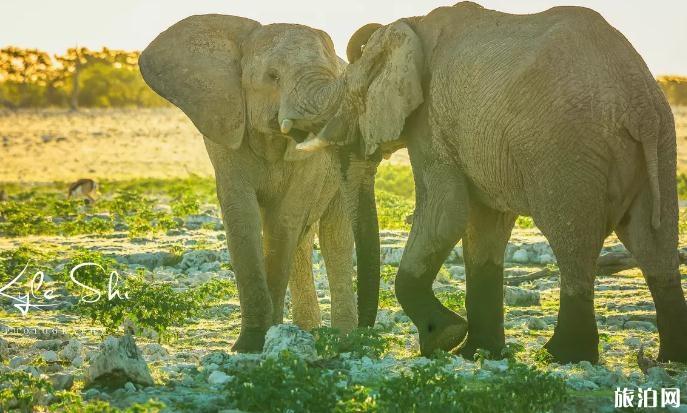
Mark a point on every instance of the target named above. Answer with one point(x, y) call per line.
point(188, 369)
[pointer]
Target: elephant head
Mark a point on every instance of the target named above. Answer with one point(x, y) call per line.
point(238, 80)
point(234, 77)
point(382, 87)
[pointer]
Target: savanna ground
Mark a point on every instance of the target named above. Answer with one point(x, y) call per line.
point(156, 222)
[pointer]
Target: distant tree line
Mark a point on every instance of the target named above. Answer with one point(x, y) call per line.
point(78, 78)
point(110, 78)
point(675, 89)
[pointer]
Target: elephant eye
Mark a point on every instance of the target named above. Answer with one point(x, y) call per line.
point(273, 75)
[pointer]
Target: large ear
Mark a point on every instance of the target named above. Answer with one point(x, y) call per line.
point(393, 62)
point(196, 65)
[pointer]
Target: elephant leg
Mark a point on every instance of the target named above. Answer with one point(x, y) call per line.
point(242, 222)
point(336, 241)
point(657, 255)
point(280, 242)
point(306, 308)
point(440, 221)
point(576, 231)
point(484, 243)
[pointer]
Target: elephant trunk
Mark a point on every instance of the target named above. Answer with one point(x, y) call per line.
point(314, 101)
point(359, 182)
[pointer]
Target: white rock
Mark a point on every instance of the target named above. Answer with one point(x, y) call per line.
point(155, 352)
point(520, 297)
point(289, 337)
point(218, 378)
point(72, 350)
point(535, 323)
point(130, 387)
point(118, 361)
point(49, 356)
point(457, 272)
point(521, 256)
point(546, 259)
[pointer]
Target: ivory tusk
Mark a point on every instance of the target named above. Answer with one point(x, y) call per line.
point(286, 126)
point(312, 144)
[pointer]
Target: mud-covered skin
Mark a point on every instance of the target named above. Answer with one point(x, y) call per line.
point(552, 115)
point(230, 76)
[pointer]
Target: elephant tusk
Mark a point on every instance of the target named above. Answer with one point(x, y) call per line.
point(312, 144)
point(286, 126)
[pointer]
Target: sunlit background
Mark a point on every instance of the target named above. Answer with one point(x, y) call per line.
point(658, 29)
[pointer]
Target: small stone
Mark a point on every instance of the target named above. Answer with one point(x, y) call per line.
point(72, 350)
point(17, 361)
point(640, 325)
point(495, 366)
point(62, 381)
point(520, 297)
point(633, 342)
point(129, 387)
point(91, 394)
point(457, 272)
point(118, 361)
point(659, 377)
point(546, 259)
point(218, 378)
point(289, 337)
point(536, 324)
point(49, 356)
point(77, 362)
point(521, 256)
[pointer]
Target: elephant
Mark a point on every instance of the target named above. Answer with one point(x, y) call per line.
point(552, 115)
point(230, 75)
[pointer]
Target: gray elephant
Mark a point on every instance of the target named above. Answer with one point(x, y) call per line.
point(552, 115)
point(230, 76)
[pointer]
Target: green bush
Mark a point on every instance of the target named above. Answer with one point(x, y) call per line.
point(284, 383)
point(21, 391)
point(361, 342)
point(396, 180)
point(392, 210)
point(70, 402)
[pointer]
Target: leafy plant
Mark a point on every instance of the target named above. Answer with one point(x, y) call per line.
point(453, 300)
point(361, 342)
point(70, 402)
point(524, 222)
point(21, 391)
point(286, 382)
point(392, 210)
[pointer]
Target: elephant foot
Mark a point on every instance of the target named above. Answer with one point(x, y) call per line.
point(671, 318)
point(576, 337)
point(472, 344)
point(445, 332)
point(249, 341)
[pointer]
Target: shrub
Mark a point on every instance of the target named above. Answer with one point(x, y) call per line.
point(433, 387)
point(361, 342)
point(21, 391)
point(392, 210)
point(286, 382)
point(396, 180)
point(453, 300)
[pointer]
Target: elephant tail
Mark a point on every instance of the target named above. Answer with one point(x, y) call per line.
point(651, 158)
point(644, 127)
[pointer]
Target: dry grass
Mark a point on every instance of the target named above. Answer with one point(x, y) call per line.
point(57, 145)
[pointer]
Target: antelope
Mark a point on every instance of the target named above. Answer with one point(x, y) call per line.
point(83, 187)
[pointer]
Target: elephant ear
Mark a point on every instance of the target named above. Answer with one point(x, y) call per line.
point(196, 65)
point(393, 61)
